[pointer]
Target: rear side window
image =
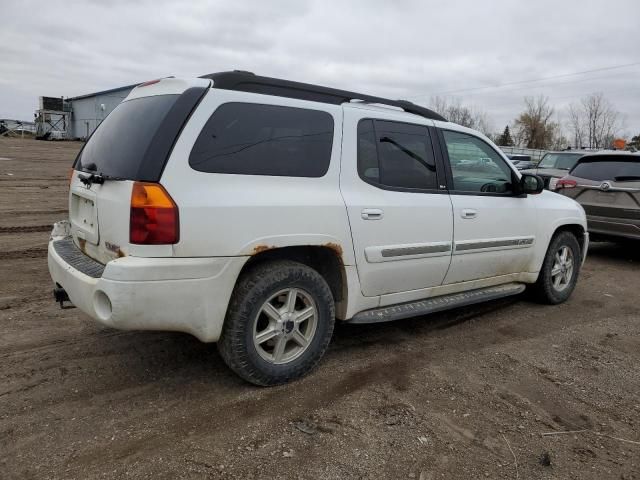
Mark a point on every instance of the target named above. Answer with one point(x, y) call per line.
point(117, 148)
point(614, 169)
point(252, 139)
point(395, 155)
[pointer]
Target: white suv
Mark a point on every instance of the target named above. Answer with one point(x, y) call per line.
point(252, 212)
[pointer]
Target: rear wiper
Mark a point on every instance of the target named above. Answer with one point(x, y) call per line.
point(627, 178)
point(97, 178)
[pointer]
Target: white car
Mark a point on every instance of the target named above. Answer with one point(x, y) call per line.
point(253, 212)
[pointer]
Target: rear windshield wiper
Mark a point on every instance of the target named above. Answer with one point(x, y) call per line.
point(627, 178)
point(97, 178)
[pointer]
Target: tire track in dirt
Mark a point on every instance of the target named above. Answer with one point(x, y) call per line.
point(34, 252)
point(26, 229)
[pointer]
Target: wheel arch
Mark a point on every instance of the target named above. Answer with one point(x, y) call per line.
point(325, 259)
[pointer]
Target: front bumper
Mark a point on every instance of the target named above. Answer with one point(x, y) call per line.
point(133, 293)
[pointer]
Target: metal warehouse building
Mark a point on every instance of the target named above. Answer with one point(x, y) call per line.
point(77, 117)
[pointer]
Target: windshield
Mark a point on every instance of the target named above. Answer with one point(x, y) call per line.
point(561, 161)
point(117, 147)
point(620, 170)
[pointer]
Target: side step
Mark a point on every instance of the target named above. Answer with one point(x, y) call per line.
point(436, 304)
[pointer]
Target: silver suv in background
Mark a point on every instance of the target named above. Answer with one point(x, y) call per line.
point(607, 185)
point(555, 165)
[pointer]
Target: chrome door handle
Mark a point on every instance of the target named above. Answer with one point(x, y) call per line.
point(372, 214)
point(468, 213)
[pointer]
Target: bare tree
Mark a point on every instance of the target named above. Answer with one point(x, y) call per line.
point(594, 122)
point(455, 112)
point(576, 125)
point(534, 127)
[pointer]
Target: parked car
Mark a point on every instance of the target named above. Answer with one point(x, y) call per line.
point(607, 185)
point(522, 162)
point(253, 212)
point(555, 165)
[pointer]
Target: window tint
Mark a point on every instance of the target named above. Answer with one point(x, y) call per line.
point(252, 139)
point(600, 170)
point(396, 155)
point(117, 147)
point(475, 166)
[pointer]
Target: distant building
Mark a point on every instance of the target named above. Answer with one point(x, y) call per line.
point(76, 117)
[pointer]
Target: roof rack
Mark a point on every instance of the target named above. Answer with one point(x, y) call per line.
point(249, 82)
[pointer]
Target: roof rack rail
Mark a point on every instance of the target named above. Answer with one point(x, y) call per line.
point(243, 81)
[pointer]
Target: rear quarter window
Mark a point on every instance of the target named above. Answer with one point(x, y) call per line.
point(254, 139)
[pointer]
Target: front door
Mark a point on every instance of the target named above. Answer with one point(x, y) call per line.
point(495, 229)
point(400, 217)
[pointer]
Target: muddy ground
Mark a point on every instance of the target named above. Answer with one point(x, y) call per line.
point(464, 394)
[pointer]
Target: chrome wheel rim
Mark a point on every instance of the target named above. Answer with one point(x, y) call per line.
point(562, 270)
point(285, 326)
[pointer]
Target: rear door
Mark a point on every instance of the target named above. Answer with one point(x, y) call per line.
point(494, 229)
point(131, 144)
point(400, 217)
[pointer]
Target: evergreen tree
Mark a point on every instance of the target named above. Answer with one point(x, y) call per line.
point(505, 139)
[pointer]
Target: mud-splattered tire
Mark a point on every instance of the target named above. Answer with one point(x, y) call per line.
point(560, 269)
point(279, 323)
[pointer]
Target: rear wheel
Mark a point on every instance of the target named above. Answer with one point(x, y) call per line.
point(559, 273)
point(279, 323)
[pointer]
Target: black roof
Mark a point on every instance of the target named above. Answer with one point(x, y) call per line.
point(249, 82)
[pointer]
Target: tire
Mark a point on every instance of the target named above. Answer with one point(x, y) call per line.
point(264, 331)
point(548, 289)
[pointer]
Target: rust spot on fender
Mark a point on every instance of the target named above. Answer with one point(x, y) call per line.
point(82, 243)
point(335, 247)
point(261, 248)
point(121, 253)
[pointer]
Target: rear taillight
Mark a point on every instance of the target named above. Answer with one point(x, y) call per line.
point(565, 183)
point(154, 215)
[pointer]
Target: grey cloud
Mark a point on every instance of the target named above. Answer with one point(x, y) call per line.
point(407, 48)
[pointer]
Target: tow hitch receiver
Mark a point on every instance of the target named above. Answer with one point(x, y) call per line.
point(60, 295)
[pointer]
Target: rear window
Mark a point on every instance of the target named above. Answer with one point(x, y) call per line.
point(253, 139)
point(117, 148)
point(608, 169)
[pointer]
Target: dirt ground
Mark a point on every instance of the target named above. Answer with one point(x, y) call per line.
point(464, 394)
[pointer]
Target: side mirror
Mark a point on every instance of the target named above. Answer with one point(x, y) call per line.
point(531, 183)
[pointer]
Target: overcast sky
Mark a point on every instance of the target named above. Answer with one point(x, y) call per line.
point(401, 49)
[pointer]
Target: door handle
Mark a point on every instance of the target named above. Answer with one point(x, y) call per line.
point(372, 214)
point(468, 213)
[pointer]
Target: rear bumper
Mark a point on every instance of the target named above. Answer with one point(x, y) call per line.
point(613, 227)
point(178, 294)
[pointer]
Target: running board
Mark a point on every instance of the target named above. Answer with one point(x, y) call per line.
point(436, 304)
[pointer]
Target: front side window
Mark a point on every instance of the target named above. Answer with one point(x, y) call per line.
point(253, 139)
point(475, 166)
point(396, 155)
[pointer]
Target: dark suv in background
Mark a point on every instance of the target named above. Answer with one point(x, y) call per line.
point(555, 165)
point(607, 185)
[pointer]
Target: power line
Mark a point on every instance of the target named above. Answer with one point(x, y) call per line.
point(519, 82)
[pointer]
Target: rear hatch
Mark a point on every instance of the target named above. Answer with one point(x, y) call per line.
point(607, 186)
point(131, 145)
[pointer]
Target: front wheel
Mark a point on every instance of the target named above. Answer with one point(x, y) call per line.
point(559, 273)
point(278, 324)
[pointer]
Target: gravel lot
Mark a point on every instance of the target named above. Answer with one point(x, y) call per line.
point(464, 394)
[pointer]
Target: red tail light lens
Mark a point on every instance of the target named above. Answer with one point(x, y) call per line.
point(566, 183)
point(154, 216)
